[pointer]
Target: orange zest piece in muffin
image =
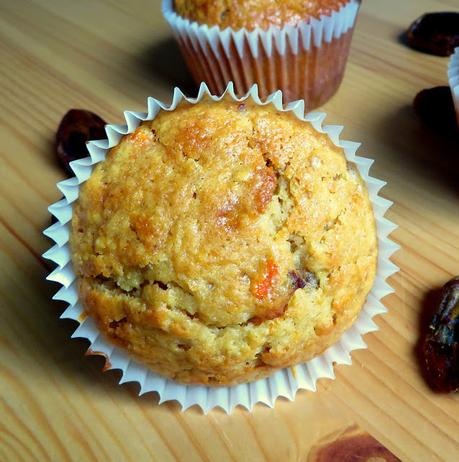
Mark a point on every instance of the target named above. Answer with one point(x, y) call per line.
point(262, 287)
point(141, 136)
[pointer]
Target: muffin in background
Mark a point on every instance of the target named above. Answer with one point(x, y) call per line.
point(244, 242)
point(453, 76)
point(250, 15)
point(298, 47)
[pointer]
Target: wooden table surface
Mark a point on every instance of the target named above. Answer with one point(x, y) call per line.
point(107, 56)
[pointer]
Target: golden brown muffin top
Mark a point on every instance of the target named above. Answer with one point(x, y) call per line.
point(230, 228)
point(250, 14)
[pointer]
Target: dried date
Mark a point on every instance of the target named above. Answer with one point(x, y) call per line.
point(435, 107)
point(435, 33)
point(351, 445)
point(77, 127)
point(302, 279)
point(441, 344)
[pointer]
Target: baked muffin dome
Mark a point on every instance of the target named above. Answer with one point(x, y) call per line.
point(222, 241)
point(254, 13)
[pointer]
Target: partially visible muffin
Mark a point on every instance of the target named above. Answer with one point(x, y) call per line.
point(255, 13)
point(298, 47)
point(223, 241)
point(453, 76)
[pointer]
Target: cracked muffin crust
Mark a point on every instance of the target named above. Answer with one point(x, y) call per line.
point(222, 241)
point(251, 14)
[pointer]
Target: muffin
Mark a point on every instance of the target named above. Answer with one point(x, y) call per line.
point(453, 76)
point(222, 241)
point(241, 14)
point(298, 47)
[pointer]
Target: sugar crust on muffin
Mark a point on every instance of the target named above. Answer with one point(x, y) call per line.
point(251, 14)
point(223, 241)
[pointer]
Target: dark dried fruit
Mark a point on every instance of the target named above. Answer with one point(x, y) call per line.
point(161, 285)
point(441, 345)
point(435, 106)
point(302, 279)
point(77, 127)
point(435, 33)
point(115, 324)
point(352, 445)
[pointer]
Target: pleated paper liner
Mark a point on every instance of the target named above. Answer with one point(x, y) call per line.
point(453, 76)
point(285, 382)
point(304, 61)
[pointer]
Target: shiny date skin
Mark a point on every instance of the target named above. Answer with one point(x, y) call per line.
point(76, 128)
point(441, 344)
point(435, 33)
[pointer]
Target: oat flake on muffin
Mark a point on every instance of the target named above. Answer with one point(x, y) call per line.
point(223, 241)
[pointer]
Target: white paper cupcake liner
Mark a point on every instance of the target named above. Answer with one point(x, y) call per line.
point(453, 76)
point(297, 59)
point(285, 382)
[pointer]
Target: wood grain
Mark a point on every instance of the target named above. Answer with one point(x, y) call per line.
point(107, 56)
